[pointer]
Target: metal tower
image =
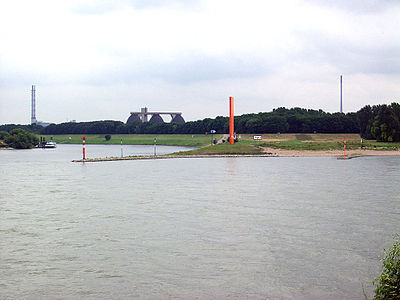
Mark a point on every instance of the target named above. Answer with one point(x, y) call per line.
point(341, 98)
point(33, 105)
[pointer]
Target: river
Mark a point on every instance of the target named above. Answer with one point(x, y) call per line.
point(258, 228)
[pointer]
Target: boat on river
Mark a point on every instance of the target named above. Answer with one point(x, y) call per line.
point(50, 144)
point(47, 145)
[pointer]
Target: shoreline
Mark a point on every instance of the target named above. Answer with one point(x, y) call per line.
point(152, 157)
point(331, 153)
point(268, 152)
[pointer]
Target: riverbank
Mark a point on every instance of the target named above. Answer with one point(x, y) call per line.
point(280, 145)
point(190, 140)
point(152, 157)
point(268, 152)
point(330, 153)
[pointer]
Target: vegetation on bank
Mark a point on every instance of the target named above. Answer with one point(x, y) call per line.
point(320, 142)
point(192, 140)
point(33, 128)
point(388, 282)
point(282, 120)
point(19, 139)
point(240, 147)
point(380, 122)
point(279, 120)
point(300, 142)
point(245, 145)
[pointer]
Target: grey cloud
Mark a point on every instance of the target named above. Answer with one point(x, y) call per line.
point(185, 70)
point(18, 76)
point(162, 3)
point(358, 6)
point(350, 57)
point(102, 7)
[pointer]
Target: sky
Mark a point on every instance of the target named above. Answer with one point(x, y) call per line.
point(100, 60)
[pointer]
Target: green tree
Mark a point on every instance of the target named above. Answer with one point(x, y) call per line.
point(3, 135)
point(388, 283)
point(385, 126)
point(380, 122)
point(21, 139)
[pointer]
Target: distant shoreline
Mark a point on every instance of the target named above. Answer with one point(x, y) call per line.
point(150, 157)
point(331, 153)
point(273, 153)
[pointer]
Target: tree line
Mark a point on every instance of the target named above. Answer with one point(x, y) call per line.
point(283, 120)
point(33, 128)
point(379, 122)
point(19, 139)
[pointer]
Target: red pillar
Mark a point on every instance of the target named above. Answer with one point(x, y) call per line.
point(83, 140)
point(231, 122)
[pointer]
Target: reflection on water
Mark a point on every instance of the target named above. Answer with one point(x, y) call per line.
point(279, 228)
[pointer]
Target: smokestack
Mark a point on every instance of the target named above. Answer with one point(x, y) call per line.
point(33, 105)
point(341, 98)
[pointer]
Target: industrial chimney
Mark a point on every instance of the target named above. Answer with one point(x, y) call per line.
point(33, 105)
point(341, 97)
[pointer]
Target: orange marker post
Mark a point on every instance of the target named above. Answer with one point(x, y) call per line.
point(83, 140)
point(231, 122)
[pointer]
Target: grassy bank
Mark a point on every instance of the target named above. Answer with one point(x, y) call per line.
point(195, 140)
point(299, 142)
point(226, 149)
point(246, 144)
point(318, 142)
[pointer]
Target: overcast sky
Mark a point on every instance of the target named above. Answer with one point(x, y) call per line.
point(97, 60)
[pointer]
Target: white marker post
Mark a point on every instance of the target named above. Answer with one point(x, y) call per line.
point(122, 154)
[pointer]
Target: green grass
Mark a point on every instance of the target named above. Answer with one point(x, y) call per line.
point(226, 148)
point(195, 140)
point(301, 145)
point(318, 142)
point(381, 145)
point(246, 145)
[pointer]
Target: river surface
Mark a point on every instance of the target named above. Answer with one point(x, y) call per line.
point(211, 228)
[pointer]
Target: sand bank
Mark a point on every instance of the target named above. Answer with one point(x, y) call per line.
point(268, 152)
point(329, 153)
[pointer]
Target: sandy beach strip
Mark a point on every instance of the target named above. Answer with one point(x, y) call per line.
point(169, 157)
point(268, 152)
point(329, 153)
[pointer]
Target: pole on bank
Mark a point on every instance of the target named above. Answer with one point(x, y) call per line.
point(83, 141)
point(122, 153)
point(344, 148)
point(231, 122)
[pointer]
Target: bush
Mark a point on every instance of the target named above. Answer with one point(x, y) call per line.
point(388, 283)
point(107, 137)
point(3, 135)
point(21, 139)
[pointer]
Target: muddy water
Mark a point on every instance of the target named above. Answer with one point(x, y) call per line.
point(277, 228)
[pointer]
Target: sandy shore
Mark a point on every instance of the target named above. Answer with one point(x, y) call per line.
point(329, 153)
point(268, 152)
point(168, 157)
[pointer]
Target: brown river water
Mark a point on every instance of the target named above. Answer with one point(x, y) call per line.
point(210, 228)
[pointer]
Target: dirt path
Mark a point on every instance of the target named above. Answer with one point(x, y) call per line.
point(334, 153)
